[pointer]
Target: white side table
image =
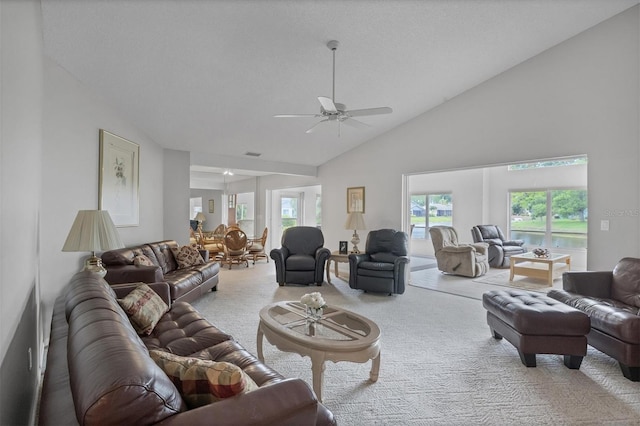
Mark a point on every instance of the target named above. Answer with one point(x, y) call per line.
point(336, 257)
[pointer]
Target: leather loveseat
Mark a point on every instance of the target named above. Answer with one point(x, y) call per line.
point(99, 370)
point(611, 299)
point(185, 284)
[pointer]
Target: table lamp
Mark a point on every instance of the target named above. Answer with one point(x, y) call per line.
point(355, 221)
point(93, 230)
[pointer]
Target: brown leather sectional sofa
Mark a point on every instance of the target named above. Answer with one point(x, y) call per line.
point(185, 284)
point(611, 299)
point(99, 370)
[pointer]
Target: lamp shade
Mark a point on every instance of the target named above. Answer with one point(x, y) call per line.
point(355, 221)
point(200, 217)
point(93, 230)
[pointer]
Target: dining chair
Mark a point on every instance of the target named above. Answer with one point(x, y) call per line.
point(256, 247)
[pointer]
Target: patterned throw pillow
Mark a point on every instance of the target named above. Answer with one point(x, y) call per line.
point(144, 308)
point(142, 260)
point(187, 256)
point(201, 381)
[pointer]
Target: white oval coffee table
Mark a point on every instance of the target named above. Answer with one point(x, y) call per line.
point(340, 335)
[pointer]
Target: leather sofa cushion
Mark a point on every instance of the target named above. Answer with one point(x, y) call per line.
point(300, 262)
point(232, 352)
point(302, 240)
point(164, 253)
point(383, 257)
point(387, 240)
point(626, 282)
point(208, 270)
point(126, 256)
point(183, 331)
point(607, 315)
point(489, 232)
point(182, 281)
point(374, 266)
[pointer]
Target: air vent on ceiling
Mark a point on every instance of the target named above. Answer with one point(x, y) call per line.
point(252, 154)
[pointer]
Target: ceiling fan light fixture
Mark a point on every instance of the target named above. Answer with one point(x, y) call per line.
point(331, 111)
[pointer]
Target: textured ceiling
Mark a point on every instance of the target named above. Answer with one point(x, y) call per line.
point(208, 76)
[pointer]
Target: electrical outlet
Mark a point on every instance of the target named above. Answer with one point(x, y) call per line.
point(604, 225)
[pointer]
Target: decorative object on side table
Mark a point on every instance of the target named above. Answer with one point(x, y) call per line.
point(344, 247)
point(355, 221)
point(541, 252)
point(314, 304)
point(93, 230)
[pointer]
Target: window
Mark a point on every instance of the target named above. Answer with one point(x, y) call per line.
point(289, 211)
point(195, 206)
point(550, 218)
point(430, 210)
point(241, 211)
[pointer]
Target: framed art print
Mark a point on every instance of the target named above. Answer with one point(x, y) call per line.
point(211, 206)
point(343, 247)
point(119, 179)
point(355, 199)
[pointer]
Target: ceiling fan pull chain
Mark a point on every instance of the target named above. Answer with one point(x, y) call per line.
point(333, 91)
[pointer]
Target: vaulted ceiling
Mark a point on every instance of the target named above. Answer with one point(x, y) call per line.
point(208, 76)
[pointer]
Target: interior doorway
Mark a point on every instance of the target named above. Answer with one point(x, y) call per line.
point(505, 195)
point(293, 207)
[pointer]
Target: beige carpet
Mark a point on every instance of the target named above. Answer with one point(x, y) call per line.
point(439, 364)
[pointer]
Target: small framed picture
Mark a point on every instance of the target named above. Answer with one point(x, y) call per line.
point(211, 206)
point(344, 248)
point(355, 199)
point(232, 201)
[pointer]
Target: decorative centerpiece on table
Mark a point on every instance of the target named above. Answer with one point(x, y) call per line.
point(541, 252)
point(314, 304)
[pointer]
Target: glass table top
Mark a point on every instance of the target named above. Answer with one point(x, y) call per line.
point(336, 324)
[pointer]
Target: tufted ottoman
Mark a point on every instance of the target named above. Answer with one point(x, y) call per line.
point(537, 324)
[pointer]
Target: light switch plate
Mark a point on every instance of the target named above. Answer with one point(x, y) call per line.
point(604, 225)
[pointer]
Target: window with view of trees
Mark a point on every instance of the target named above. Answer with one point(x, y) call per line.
point(550, 218)
point(430, 210)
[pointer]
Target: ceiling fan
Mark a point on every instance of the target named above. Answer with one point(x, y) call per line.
point(331, 111)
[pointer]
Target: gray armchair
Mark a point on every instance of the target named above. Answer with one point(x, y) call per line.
point(500, 249)
point(381, 268)
point(469, 260)
point(302, 257)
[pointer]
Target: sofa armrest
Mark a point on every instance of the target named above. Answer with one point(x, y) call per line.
point(462, 248)
point(518, 243)
point(161, 288)
point(289, 402)
point(588, 283)
point(118, 274)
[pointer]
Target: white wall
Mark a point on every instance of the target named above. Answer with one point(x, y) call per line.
point(175, 184)
point(20, 161)
point(73, 116)
point(213, 219)
point(580, 97)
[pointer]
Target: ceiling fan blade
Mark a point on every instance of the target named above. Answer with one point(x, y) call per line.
point(315, 126)
point(369, 111)
point(297, 115)
point(355, 123)
point(327, 104)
